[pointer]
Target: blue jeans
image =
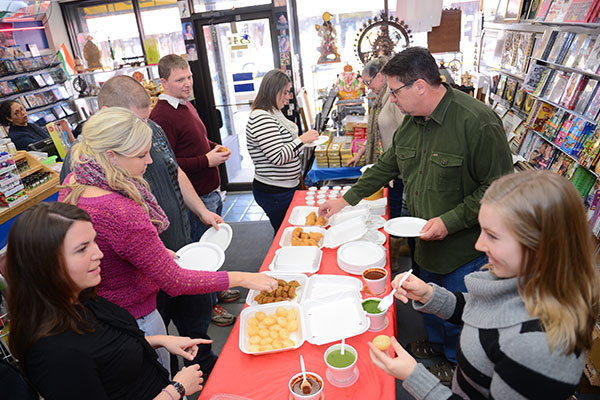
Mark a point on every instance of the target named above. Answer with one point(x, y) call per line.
point(274, 204)
point(395, 198)
point(213, 202)
point(152, 324)
point(443, 334)
point(191, 315)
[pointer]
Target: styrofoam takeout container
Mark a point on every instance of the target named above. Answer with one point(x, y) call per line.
point(319, 286)
point(333, 317)
point(347, 231)
point(299, 214)
point(347, 213)
point(286, 236)
point(249, 312)
point(286, 276)
point(305, 259)
point(355, 257)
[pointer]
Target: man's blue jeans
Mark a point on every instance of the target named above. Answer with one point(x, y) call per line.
point(442, 334)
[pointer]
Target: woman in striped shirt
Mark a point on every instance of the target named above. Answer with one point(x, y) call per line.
point(528, 319)
point(274, 145)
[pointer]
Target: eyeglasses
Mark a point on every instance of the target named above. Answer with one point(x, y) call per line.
point(393, 92)
point(368, 82)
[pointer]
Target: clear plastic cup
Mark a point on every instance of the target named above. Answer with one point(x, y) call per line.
point(310, 202)
point(338, 188)
point(321, 201)
point(312, 189)
point(294, 386)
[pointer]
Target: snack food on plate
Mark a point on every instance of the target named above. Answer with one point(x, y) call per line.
point(312, 219)
point(272, 331)
point(301, 238)
point(285, 291)
point(382, 342)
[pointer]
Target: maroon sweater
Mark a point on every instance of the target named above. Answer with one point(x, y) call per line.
point(187, 135)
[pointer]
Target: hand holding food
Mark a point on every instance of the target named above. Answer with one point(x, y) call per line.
point(399, 367)
point(223, 149)
point(285, 291)
point(382, 342)
point(331, 207)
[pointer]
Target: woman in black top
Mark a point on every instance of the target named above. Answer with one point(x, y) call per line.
point(72, 343)
point(21, 132)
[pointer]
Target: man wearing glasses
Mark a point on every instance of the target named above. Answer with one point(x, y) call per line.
point(448, 151)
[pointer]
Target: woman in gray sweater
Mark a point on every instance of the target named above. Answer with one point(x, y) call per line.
point(528, 319)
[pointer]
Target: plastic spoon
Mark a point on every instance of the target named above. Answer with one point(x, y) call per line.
point(343, 346)
point(305, 385)
point(388, 300)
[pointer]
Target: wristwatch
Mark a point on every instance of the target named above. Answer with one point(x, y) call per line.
point(179, 387)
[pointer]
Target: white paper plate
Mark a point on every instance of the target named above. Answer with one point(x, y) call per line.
point(221, 237)
point(201, 256)
point(286, 236)
point(375, 222)
point(300, 290)
point(405, 226)
point(321, 140)
point(299, 214)
point(249, 312)
point(333, 317)
point(355, 257)
point(375, 236)
point(325, 285)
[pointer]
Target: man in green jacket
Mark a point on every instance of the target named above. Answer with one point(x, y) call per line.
point(448, 150)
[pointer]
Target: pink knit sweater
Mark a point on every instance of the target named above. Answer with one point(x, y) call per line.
point(136, 263)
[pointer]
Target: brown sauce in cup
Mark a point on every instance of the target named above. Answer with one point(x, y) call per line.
point(315, 385)
point(373, 274)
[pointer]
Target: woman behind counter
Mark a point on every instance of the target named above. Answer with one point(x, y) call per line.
point(274, 145)
point(21, 132)
point(107, 181)
point(527, 321)
point(73, 344)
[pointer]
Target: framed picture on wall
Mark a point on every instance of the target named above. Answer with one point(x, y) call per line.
point(533, 9)
point(513, 11)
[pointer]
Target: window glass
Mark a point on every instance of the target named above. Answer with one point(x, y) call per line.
point(161, 21)
point(214, 5)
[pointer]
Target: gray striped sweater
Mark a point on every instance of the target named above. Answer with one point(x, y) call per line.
point(502, 352)
point(273, 150)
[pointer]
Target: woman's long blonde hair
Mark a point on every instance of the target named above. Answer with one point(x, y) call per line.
point(121, 131)
point(558, 279)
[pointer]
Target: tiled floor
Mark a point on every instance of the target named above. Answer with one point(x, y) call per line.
point(241, 207)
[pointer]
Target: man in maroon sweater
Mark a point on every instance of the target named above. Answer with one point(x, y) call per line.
point(197, 156)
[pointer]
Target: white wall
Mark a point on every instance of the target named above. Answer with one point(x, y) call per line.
point(56, 30)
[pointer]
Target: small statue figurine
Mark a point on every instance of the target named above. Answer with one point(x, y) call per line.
point(92, 54)
point(348, 85)
point(328, 48)
point(79, 68)
point(466, 79)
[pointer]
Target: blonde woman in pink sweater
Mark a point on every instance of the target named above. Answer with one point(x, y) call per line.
point(108, 164)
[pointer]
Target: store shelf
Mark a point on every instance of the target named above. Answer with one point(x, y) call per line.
point(27, 73)
point(30, 171)
point(564, 68)
point(583, 117)
point(32, 91)
point(508, 73)
point(520, 113)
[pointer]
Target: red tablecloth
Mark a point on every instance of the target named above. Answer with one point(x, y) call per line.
point(264, 377)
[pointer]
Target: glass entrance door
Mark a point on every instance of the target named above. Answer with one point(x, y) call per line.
point(239, 54)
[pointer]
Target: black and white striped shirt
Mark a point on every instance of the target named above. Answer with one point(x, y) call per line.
point(273, 150)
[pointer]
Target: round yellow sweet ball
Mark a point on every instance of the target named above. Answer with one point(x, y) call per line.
point(382, 342)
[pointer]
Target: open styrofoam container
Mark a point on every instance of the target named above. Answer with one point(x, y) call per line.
point(319, 286)
point(331, 318)
point(355, 257)
point(305, 259)
point(299, 214)
point(347, 213)
point(300, 290)
point(286, 236)
point(249, 312)
point(347, 231)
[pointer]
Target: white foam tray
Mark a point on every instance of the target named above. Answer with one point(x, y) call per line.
point(299, 214)
point(347, 213)
point(286, 236)
point(345, 232)
point(319, 286)
point(305, 259)
point(300, 290)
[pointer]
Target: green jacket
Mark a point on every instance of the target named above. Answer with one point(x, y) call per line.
point(446, 163)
